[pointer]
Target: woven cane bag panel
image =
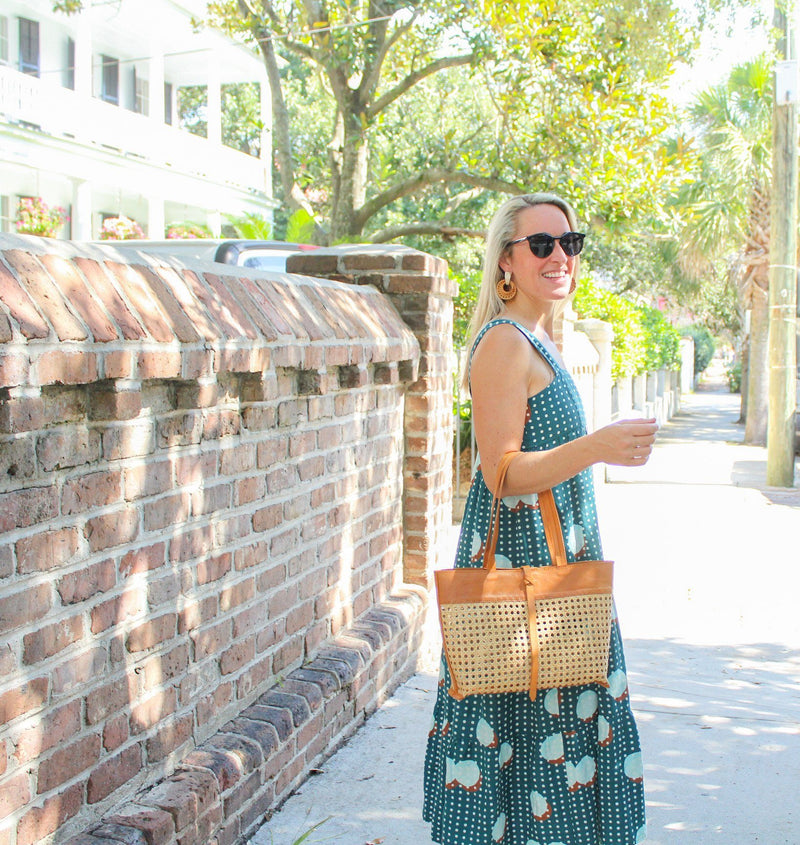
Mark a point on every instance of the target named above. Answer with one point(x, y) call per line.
point(488, 647)
point(574, 634)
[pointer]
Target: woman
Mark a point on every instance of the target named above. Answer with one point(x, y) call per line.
point(564, 769)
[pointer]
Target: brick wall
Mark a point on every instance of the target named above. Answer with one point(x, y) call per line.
point(216, 488)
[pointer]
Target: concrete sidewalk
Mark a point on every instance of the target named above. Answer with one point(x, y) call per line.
point(713, 648)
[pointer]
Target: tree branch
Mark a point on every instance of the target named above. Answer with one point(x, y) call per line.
point(280, 116)
point(390, 233)
point(413, 78)
point(371, 77)
point(431, 177)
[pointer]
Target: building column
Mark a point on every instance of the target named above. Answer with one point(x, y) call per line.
point(214, 223)
point(156, 68)
point(84, 73)
point(81, 210)
point(214, 102)
point(156, 223)
point(600, 334)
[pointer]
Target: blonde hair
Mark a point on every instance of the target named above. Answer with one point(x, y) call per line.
point(501, 230)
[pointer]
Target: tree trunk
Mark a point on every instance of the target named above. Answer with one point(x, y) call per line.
point(744, 383)
point(349, 167)
point(755, 431)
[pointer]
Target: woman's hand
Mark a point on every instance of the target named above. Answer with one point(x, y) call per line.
point(625, 443)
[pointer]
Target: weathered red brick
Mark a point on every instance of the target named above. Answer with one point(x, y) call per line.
point(117, 364)
point(175, 312)
point(212, 569)
point(163, 668)
point(58, 366)
point(143, 559)
point(46, 550)
point(239, 654)
point(74, 672)
point(46, 295)
point(192, 543)
point(87, 582)
point(116, 731)
point(135, 287)
point(16, 793)
point(27, 506)
point(156, 824)
point(74, 289)
point(148, 713)
point(19, 303)
point(116, 610)
point(67, 762)
point(152, 632)
point(160, 364)
point(50, 639)
point(93, 490)
point(210, 641)
point(167, 511)
point(31, 603)
point(170, 736)
point(23, 413)
point(14, 371)
point(133, 439)
point(108, 699)
point(111, 403)
point(43, 820)
point(99, 283)
point(147, 479)
point(112, 529)
point(67, 447)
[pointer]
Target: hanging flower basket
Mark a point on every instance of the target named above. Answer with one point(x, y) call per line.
point(35, 217)
point(120, 229)
point(188, 230)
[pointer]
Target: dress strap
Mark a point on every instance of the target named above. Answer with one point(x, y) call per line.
point(534, 341)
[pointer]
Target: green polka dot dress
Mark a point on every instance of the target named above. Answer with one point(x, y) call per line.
point(564, 769)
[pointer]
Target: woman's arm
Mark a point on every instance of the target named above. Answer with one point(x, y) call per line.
point(505, 371)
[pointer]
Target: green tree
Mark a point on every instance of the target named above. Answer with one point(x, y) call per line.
point(561, 97)
point(241, 122)
point(725, 211)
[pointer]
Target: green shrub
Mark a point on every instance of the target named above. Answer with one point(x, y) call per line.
point(628, 349)
point(662, 341)
point(704, 345)
point(734, 373)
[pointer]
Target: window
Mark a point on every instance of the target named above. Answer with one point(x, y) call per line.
point(168, 103)
point(29, 46)
point(109, 86)
point(3, 40)
point(69, 68)
point(141, 94)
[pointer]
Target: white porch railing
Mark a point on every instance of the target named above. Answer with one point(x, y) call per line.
point(61, 113)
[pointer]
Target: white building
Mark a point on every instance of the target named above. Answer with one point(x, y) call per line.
point(88, 116)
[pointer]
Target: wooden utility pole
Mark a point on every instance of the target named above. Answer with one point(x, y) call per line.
point(783, 280)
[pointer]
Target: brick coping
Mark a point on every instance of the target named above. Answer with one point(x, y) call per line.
point(222, 790)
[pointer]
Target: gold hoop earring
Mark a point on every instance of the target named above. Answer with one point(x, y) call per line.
point(506, 289)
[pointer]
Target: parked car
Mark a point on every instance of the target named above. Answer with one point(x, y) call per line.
point(261, 255)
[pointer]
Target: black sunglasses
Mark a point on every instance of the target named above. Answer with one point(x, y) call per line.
point(542, 244)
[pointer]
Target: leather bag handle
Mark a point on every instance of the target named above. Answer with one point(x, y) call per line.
point(547, 507)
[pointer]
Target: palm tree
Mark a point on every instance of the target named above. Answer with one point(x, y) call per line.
point(727, 211)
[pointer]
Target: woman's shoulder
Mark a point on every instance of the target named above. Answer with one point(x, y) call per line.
point(500, 337)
